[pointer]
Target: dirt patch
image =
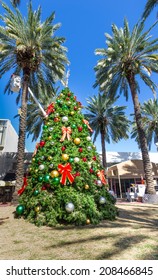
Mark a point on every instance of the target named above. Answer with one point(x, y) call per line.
point(133, 235)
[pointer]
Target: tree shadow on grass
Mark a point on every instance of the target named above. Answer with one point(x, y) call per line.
point(3, 220)
point(117, 248)
point(120, 246)
point(104, 237)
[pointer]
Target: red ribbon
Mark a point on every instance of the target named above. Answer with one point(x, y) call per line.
point(100, 174)
point(87, 123)
point(20, 191)
point(66, 132)
point(50, 109)
point(65, 172)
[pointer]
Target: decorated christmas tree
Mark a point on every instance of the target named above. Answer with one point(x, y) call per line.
point(66, 182)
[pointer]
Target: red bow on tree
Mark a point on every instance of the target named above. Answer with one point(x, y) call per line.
point(66, 132)
point(100, 174)
point(50, 109)
point(23, 186)
point(65, 172)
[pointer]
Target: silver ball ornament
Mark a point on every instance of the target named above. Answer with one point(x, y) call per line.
point(102, 200)
point(64, 119)
point(69, 207)
point(52, 142)
point(99, 183)
point(51, 165)
point(50, 128)
point(89, 148)
point(42, 158)
point(76, 159)
point(88, 138)
point(41, 166)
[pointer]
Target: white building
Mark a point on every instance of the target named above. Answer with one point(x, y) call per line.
point(8, 137)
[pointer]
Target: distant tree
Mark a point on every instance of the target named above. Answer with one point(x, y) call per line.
point(149, 111)
point(127, 56)
point(150, 5)
point(30, 49)
point(108, 120)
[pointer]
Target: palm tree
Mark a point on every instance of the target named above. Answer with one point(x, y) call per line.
point(30, 48)
point(35, 116)
point(127, 56)
point(149, 111)
point(16, 2)
point(108, 120)
point(150, 5)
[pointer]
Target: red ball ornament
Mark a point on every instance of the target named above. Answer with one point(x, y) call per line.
point(77, 174)
point(43, 188)
point(56, 119)
point(69, 94)
point(75, 97)
point(94, 158)
point(42, 143)
point(63, 148)
point(84, 159)
point(80, 150)
point(80, 128)
point(75, 108)
point(67, 98)
point(91, 170)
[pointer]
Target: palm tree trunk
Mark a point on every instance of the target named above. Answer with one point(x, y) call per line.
point(21, 140)
point(142, 137)
point(104, 162)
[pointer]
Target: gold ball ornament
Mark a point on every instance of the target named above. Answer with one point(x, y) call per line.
point(54, 173)
point(50, 158)
point(86, 187)
point(37, 209)
point(77, 141)
point(36, 170)
point(88, 221)
point(72, 113)
point(65, 157)
point(49, 137)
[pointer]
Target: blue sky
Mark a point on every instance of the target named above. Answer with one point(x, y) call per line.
point(84, 23)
